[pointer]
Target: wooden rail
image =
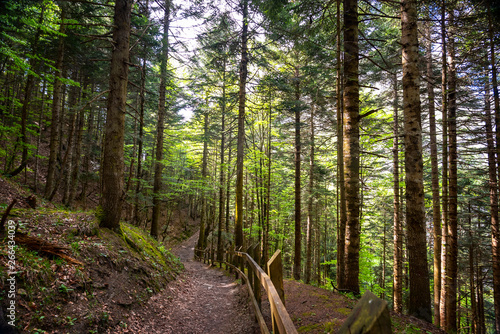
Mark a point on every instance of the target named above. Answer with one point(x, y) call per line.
point(370, 316)
point(255, 278)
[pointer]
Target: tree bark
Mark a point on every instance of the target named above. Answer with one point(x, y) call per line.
point(140, 140)
point(238, 229)
point(351, 143)
point(297, 256)
point(201, 244)
point(450, 322)
point(74, 115)
point(420, 301)
point(342, 219)
point(473, 306)
point(39, 139)
point(265, 246)
point(495, 225)
point(436, 208)
point(112, 171)
point(397, 296)
point(222, 169)
point(444, 199)
point(88, 152)
point(157, 184)
point(56, 110)
point(75, 173)
point(310, 186)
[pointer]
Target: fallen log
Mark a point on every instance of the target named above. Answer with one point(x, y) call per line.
point(45, 247)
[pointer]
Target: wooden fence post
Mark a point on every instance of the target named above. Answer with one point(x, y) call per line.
point(250, 273)
point(275, 270)
point(370, 316)
point(242, 266)
point(256, 282)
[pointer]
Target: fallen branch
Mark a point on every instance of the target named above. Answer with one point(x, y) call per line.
point(6, 214)
point(44, 246)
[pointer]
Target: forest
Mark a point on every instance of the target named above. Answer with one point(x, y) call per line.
point(359, 137)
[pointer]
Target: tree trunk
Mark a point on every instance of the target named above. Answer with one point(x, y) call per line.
point(341, 205)
point(351, 143)
point(444, 111)
point(140, 140)
point(265, 246)
point(436, 208)
point(450, 322)
point(56, 109)
point(420, 301)
point(75, 173)
point(222, 171)
point(73, 100)
point(65, 160)
point(480, 297)
point(201, 244)
point(157, 184)
point(228, 183)
point(30, 83)
point(39, 139)
point(495, 225)
point(88, 152)
point(112, 176)
point(297, 257)
point(384, 251)
point(397, 296)
point(473, 305)
point(310, 200)
point(238, 228)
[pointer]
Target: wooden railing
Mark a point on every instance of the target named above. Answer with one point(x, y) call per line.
point(370, 316)
point(255, 278)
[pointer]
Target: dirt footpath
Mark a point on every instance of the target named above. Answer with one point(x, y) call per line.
point(202, 300)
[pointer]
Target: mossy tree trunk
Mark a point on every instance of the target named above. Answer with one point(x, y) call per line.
point(113, 164)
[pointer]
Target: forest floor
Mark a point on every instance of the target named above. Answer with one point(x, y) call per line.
point(202, 300)
point(206, 300)
point(121, 291)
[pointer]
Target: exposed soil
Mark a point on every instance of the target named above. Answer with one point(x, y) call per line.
point(57, 296)
point(203, 300)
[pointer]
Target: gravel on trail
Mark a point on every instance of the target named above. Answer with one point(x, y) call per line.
point(202, 300)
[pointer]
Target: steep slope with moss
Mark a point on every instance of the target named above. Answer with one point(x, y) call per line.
point(55, 295)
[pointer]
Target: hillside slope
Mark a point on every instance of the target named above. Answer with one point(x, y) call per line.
point(59, 295)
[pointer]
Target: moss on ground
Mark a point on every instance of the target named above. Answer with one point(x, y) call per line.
point(118, 272)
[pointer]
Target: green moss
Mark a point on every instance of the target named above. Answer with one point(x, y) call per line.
point(332, 326)
point(308, 314)
point(320, 295)
point(150, 249)
point(99, 213)
point(343, 310)
point(308, 328)
point(400, 327)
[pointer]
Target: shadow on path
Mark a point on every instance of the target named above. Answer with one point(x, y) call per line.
point(202, 300)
